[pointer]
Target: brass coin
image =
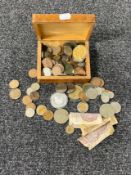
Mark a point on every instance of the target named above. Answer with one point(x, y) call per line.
point(15, 93)
point(32, 73)
point(67, 50)
point(41, 109)
point(35, 86)
point(69, 129)
point(61, 116)
point(82, 107)
point(26, 100)
point(35, 96)
point(83, 97)
point(79, 53)
point(48, 115)
point(13, 84)
point(31, 105)
point(75, 95)
point(47, 62)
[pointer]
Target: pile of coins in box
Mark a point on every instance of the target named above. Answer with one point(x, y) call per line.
point(68, 59)
point(94, 127)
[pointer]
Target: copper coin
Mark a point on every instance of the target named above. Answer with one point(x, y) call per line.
point(15, 93)
point(47, 62)
point(31, 105)
point(79, 71)
point(13, 84)
point(56, 70)
point(26, 100)
point(32, 73)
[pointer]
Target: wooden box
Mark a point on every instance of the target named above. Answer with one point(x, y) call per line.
point(51, 28)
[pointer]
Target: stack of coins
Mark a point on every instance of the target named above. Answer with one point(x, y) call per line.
point(68, 59)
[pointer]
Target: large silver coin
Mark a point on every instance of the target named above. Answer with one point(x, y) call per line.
point(91, 93)
point(106, 110)
point(61, 116)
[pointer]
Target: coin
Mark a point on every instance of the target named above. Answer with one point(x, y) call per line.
point(47, 54)
point(47, 62)
point(48, 115)
point(106, 110)
point(26, 100)
point(35, 96)
point(67, 50)
point(70, 87)
point(29, 91)
point(99, 90)
point(41, 109)
point(32, 73)
point(111, 94)
point(105, 97)
point(29, 112)
point(56, 50)
point(61, 116)
point(79, 53)
point(65, 59)
point(69, 129)
point(116, 107)
point(83, 97)
point(15, 93)
point(81, 64)
point(56, 70)
point(35, 86)
point(72, 44)
point(59, 100)
point(56, 57)
point(96, 81)
point(13, 84)
point(79, 71)
point(68, 69)
point(91, 93)
point(46, 71)
point(62, 87)
point(31, 105)
point(86, 86)
point(75, 95)
point(82, 107)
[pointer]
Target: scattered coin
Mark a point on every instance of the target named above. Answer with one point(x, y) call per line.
point(62, 87)
point(70, 87)
point(47, 62)
point(79, 53)
point(75, 95)
point(15, 93)
point(41, 109)
point(111, 94)
point(26, 100)
point(69, 129)
point(99, 90)
point(35, 86)
point(116, 107)
point(31, 105)
point(106, 110)
point(48, 115)
point(59, 100)
point(61, 116)
point(82, 107)
point(32, 73)
point(29, 91)
point(105, 97)
point(86, 86)
point(91, 93)
point(35, 96)
point(46, 71)
point(29, 112)
point(83, 97)
point(13, 84)
point(96, 81)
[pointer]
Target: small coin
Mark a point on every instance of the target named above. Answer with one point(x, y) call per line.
point(69, 129)
point(81, 64)
point(83, 97)
point(56, 70)
point(105, 97)
point(47, 62)
point(26, 100)
point(82, 107)
point(86, 86)
point(61, 116)
point(35, 96)
point(75, 95)
point(67, 50)
point(31, 105)
point(65, 59)
point(79, 71)
point(79, 53)
point(62, 87)
point(29, 91)
point(32, 73)
point(35, 86)
point(106, 110)
point(56, 50)
point(59, 100)
point(13, 84)
point(99, 90)
point(68, 69)
point(47, 71)
point(91, 93)
point(29, 112)
point(116, 107)
point(15, 93)
point(111, 94)
point(41, 109)
point(48, 115)
point(70, 87)
point(56, 57)
point(96, 81)
point(47, 54)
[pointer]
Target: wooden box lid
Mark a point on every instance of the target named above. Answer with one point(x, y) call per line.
point(52, 27)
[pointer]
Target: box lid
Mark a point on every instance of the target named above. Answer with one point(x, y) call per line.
point(63, 26)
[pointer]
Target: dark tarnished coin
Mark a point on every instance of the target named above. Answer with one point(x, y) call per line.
point(62, 87)
point(70, 87)
point(68, 69)
point(67, 50)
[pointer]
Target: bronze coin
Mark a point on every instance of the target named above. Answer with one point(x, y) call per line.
point(34, 96)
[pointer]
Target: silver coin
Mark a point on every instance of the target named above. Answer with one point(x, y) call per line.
point(116, 107)
point(91, 93)
point(106, 110)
